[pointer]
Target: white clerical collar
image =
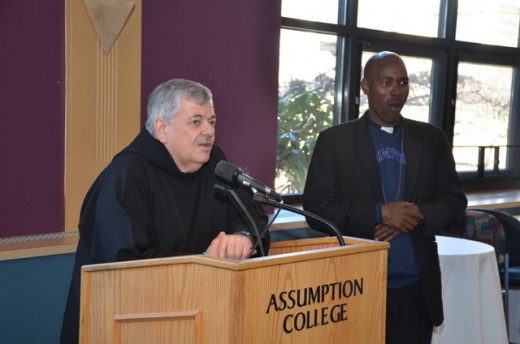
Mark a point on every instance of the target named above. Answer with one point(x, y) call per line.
point(389, 130)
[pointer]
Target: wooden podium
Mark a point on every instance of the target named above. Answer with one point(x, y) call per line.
point(305, 291)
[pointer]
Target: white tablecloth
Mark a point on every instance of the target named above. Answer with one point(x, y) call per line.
point(471, 294)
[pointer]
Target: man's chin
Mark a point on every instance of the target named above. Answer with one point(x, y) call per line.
point(391, 118)
point(203, 157)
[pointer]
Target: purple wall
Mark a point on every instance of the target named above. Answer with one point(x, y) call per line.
point(32, 116)
point(230, 46)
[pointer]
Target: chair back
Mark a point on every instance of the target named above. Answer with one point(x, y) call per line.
point(509, 269)
point(512, 229)
point(486, 228)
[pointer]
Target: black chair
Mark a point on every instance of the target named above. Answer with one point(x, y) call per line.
point(510, 269)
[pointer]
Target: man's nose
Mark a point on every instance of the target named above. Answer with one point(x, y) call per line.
point(208, 129)
point(396, 89)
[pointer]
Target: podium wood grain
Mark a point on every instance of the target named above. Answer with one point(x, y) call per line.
point(341, 293)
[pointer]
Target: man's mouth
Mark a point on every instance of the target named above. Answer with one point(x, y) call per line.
point(206, 144)
point(395, 105)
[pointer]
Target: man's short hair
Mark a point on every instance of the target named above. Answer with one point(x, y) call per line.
point(164, 101)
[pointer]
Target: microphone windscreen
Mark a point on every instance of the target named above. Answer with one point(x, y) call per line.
point(226, 170)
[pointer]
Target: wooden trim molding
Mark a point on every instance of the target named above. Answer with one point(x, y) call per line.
point(31, 246)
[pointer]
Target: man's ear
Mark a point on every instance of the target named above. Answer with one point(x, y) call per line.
point(159, 125)
point(364, 86)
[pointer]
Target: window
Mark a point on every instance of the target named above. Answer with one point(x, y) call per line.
point(463, 77)
point(501, 18)
point(325, 11)
point(420, 17)
point(483, 116)
point(306, 91)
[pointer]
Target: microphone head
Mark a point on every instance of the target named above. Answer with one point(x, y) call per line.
point(227, 170)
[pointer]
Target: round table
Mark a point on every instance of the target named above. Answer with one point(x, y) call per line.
point(471, 294)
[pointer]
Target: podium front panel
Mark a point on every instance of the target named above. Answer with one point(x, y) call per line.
point(319, 295)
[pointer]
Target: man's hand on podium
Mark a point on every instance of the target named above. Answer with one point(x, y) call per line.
point(230, 246)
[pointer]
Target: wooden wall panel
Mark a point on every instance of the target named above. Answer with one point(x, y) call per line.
point(103, 93)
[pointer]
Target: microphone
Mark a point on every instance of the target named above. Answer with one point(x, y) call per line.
point(232, 195)
point(232, 173)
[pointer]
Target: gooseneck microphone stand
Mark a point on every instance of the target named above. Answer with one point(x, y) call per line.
point(263, 198)
point(236, 200)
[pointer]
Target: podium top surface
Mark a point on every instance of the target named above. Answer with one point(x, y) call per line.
point(283, 252)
